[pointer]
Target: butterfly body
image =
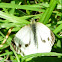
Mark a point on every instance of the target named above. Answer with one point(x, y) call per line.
point(33, 38)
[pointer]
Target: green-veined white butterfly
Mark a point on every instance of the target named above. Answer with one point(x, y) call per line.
point(33, 38)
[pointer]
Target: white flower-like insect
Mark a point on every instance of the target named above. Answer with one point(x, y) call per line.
point(33, 38)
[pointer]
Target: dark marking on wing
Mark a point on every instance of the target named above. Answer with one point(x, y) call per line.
point(26, 45)
point(52, 37)
point(19, 45)
point(43, 41)
point(13, 44)
point(48, 39)
point(16, 48)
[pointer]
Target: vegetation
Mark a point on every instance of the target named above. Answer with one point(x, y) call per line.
point(17, 13)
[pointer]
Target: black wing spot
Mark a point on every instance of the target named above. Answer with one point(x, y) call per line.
point(13, 45)
point(26, 45)
point(19, 45)
point(43, 41)
point(48, 39)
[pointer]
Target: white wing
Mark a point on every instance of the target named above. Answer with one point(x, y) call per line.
point(24, 41)
point(45, 38)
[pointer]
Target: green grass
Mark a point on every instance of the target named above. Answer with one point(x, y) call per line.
point(17, 14)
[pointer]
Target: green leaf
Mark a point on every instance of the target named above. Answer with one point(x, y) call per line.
point(41, 54)
point(58, 29)
point(25, 7)
point(46, 15)
point(8, 53)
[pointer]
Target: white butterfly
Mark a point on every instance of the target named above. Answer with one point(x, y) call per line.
point(33, 38)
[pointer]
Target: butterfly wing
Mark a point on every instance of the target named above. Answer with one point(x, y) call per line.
point(21, 39)
point(45, 38)
point(23, 42)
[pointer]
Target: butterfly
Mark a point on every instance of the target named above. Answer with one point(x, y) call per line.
point(33, 38)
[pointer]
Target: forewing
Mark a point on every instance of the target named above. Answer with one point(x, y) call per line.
point(22, 39)
point(45, 38)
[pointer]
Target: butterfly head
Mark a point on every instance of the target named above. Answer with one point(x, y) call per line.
point(32, 21)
